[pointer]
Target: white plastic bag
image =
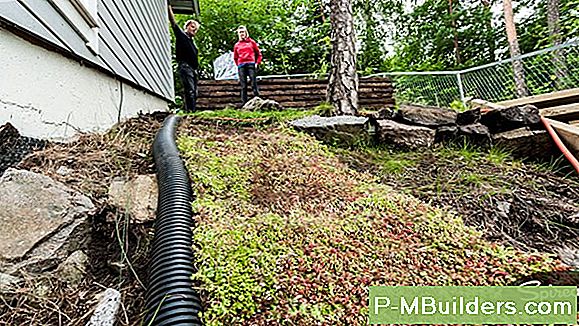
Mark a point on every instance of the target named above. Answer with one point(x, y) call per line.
point(224, 67)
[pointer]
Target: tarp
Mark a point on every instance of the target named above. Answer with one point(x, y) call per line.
point(224, 67)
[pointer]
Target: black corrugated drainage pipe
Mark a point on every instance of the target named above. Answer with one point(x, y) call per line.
point(171, 299)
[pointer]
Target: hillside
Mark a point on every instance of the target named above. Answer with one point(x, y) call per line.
point(290, 229)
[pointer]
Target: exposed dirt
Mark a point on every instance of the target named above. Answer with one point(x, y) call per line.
point(528, 206)
point(92, 162)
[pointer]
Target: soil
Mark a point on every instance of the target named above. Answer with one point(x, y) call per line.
point(528, 208)
point(93, 161)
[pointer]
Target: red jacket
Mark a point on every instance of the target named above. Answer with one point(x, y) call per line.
point(246, 51)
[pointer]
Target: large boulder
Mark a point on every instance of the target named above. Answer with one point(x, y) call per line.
point(259, 104)
point(446, 134)
point(468, 117)
point(405, 136)
point(138, 197)
point(345, 129)
point(427, 116)
point(45, 219)
point(474, 134)
point(525, 142)
point(510, 118)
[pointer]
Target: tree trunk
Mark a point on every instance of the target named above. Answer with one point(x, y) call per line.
point(555, 36)
point(343, 84)
point(514, 49)
point(453, 22)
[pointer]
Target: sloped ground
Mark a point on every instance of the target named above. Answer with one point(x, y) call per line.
point(287, 229)
point(532, 207)
point(289, 234)
point(92, 162)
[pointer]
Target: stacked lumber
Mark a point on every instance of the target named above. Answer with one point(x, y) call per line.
point(291, 93)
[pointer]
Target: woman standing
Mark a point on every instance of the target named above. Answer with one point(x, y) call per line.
point(247, 57)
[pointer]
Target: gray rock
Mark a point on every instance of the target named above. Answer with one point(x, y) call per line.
point(427, 116)
point(524, 142)
point(446, 133)
point(511, 118)
point(45, 219)
point(138, 197)
point(64, 171)
point(259, 104)
point(344, 129)
point(8, 282)
point(406, 136)
point(107, 308)
point(468, 117)
point(384, 113)
point(73, 269)
point(475, 134)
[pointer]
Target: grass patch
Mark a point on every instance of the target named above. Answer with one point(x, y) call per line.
point(289, 234)
point(253, 117)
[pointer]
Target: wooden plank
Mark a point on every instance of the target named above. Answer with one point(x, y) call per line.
point(569, 135)
point(562, 112)
point(538, 100)
point(486, 105)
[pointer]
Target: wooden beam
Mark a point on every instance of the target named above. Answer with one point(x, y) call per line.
point(549, 97)
point(485, 105)
point(562, 112)
point(568, 133)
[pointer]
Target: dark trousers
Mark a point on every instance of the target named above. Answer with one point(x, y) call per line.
point(189, 81)
point(244, 71)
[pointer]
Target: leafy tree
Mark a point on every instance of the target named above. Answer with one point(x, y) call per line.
point(443, 35)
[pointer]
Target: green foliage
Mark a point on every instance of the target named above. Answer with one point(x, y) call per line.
point(325, 109)
point(293, 35)
point(459, 106)
point(287, 232)
point(266, 116)
point(425, 39)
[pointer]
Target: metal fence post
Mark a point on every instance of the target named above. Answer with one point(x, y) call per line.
point(460, 88)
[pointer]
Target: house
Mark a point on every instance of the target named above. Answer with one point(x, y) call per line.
point(73, 66)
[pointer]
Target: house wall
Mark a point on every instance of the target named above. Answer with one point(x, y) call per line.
point(46, 95)
point(132, 42)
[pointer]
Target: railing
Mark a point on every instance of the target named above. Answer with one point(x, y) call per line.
point(544, 71)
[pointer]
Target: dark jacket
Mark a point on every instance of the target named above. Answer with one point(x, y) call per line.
point(185, 49)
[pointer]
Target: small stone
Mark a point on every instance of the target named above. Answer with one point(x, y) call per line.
point(259, 104)
point(8, 282)
point(468, 117)
point(73, 269)
point(345, 129)
point(64, 171)
point(46, 221)
point(426, 116)
point(107, 308)
point(138, 197)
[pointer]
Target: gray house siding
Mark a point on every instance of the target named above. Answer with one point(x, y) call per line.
point(133, 41)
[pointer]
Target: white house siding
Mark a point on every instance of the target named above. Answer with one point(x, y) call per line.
point(46, 95)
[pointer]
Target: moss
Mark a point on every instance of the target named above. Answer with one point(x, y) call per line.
point(288, 232)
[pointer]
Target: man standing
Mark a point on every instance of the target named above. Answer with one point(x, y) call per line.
point(186, 54)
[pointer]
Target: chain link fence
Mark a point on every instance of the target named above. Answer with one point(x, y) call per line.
point(544, 71)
